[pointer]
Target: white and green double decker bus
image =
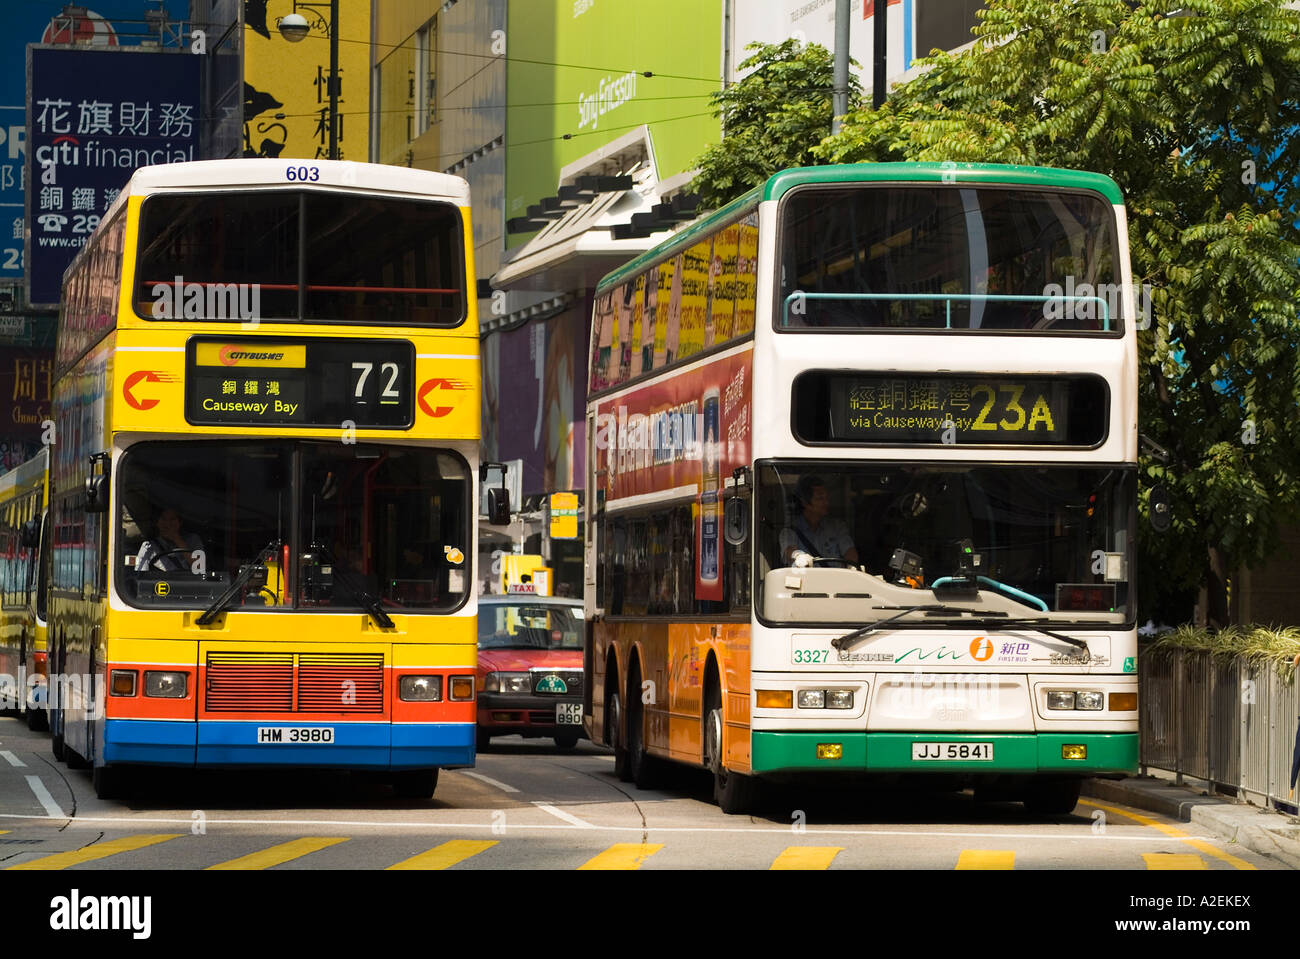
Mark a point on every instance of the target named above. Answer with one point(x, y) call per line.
point(862, 488)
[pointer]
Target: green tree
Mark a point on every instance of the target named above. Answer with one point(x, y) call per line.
point(1197, 117)
point(772, 118)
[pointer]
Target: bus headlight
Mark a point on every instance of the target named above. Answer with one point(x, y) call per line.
point(812, 699)
point(165, 685)
point(839, 699)
point(508, 683)
point(1089, 699)
point(1060, 699)
point(420, 689)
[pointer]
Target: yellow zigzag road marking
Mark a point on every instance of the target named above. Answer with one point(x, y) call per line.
point(1204, 847)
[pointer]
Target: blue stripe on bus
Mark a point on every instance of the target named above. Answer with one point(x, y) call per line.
point(355, 745)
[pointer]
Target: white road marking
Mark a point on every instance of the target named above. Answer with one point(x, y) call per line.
point(45, 799)
point(11, 759)
point(561, 814)
point(638, 828)
point(490, 781)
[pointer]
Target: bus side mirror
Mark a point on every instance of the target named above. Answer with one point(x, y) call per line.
point(30, 537)
point(97, 494)
point(498, 506)
point(1158, 509)
point(735, 520)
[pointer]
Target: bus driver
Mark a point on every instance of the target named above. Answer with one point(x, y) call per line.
point(813, 534)
point(171, 550)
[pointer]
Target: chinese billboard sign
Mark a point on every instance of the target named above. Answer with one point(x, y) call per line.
point(94, 117)
point(111, 24)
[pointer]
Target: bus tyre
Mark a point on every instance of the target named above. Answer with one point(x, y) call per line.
point(36, 718)
point(566, 740)
point(733, 792)
point(614, 719)
point(642, 768)
point(56, 735)
point(1053, 796)
point(108, 781)
point(416, 783)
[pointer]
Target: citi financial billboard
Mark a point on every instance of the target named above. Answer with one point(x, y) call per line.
point(93, 118)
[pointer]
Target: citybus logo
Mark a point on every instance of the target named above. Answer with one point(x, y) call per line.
point(232, 355)
point(179, 300)
point(143, 376)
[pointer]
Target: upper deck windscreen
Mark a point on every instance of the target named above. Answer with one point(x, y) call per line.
point(936, 257)
point(292, 255)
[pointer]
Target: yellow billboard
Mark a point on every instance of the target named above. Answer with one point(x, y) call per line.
point(286, 85)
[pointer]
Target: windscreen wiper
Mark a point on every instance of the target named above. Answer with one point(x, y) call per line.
point(849, 640)
point(239, 582)
point(369, 602)
point(1032, 623)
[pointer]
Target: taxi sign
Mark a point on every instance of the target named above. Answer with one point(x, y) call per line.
point(552, 684)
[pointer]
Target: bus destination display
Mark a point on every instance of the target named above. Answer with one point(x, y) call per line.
point(299, 382)
point(911, 409)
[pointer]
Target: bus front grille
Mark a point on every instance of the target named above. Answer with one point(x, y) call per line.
point(240, 682)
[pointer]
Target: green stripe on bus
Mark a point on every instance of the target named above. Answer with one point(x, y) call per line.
point(976, 173)
point(892, 752)
point(779, 184)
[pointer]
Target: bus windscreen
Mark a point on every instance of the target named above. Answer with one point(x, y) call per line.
point(938, 257)
point(300, 256)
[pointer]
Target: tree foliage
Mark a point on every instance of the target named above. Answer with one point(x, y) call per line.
point(1196, 117)
point(773, 118)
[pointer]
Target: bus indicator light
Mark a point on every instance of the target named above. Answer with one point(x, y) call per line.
point(775, 699)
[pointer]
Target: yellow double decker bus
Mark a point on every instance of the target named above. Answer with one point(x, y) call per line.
point(263, 482)
point(24, 494)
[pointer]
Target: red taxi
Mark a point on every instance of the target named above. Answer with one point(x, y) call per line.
point(530, 668)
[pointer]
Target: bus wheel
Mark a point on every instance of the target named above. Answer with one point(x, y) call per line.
point(566, 740)
point(416, 783)
point(642, 768)
point(1053, 796)
point(56, 735)
point(109, 781)
point(36, 718)
point(733, 792)
point(613, 721)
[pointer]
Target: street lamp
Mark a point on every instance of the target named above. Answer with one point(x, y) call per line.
point(294, 27)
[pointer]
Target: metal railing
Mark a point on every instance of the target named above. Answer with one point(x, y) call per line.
point(800, 297)
point(1226, 721)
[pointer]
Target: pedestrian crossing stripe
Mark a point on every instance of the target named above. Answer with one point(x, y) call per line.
point(623, 855)
point(99, 850)
point(282, 853)
point(446, 855)
point(807, 857)
point(986, 859)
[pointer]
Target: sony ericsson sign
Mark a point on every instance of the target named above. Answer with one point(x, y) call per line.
point(609, 95)
point(95, 116)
